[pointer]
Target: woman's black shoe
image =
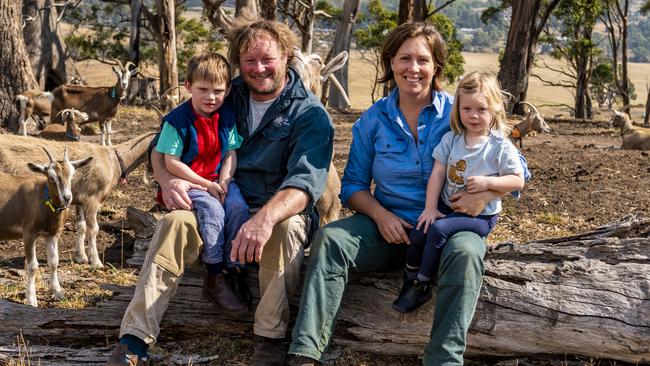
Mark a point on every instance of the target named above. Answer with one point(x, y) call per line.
point(414, 294)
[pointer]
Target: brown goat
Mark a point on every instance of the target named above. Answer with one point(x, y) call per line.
point(42, 204)
point(32, 103)
point(634, 138)
point(100, 103)
point(532, 122)
point(109, 166)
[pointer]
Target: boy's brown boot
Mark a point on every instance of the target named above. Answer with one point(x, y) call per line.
point(222, 295)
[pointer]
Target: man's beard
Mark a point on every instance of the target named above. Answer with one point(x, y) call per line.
point(277, 81)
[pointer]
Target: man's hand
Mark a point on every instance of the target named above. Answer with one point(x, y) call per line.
point(471, 203)
point(174, 193)
point(251, 239)
point(392, 228)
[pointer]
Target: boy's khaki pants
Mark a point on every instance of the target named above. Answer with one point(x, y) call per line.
point(176, 242)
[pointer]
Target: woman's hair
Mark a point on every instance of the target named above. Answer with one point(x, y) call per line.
point(480, 82)
point(242, 38)
point(411, 30)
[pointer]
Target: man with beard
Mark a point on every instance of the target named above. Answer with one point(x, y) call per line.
point(281, 172)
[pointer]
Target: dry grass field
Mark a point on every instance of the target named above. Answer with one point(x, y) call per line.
point(362, 75)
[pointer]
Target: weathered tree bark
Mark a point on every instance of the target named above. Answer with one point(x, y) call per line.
point(646, 117)
point(342, 41)
point(587, 295)
point(167, 43)
point(267, 9)
point(134, 38)
point(43, 43)
point(405, 13)
point(16, 75)
point(525, 26)
point(615, 20)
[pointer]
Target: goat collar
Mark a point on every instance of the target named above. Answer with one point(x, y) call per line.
point(122, 180)
point(50, 204)
point(515, 132)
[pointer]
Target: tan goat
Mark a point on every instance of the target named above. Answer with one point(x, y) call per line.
point(634, 138)
point(100, 103)
point(532, 122)
point(313, 73)
point(32, 103)
point(109, 166)
point(33, 206)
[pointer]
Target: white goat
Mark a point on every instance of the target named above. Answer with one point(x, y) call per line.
point(42, 205)
point(532, 122)
point(314, 73)
point(634, 138)
point(100, 103)
point(109, 166)
point(32, 103)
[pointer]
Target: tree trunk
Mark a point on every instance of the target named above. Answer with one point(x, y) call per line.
point(134, 39)
point(267, 9)
point(420, 10)
point(249, 6)
point(167, 30)
point(45, 48)
point(625, 81)
point(646, 117)
point(405, 13)
point(307, 28)
point(342, 42)
point(519, 54)
point(583, 295)
point(16, 75)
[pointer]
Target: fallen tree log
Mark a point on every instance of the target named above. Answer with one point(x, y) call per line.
point(587, 295)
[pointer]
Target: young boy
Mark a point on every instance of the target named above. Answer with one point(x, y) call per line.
point(198, 140)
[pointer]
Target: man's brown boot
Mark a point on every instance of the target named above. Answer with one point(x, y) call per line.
point(121, 356)
point(222, 295)
point(303, 361)
point(268, 352)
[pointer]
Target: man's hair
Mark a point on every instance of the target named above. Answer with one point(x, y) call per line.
point(210, 67)
point(480, 82)
point(242, 38)
point(411, 30)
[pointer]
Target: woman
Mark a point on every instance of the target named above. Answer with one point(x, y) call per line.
point(392, 145)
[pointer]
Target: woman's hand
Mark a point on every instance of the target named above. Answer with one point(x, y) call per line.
point(392, 228)
point(428, 217)
point(471, 203)
point(174, 193)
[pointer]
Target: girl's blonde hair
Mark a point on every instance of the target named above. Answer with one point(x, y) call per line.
point(476, 82)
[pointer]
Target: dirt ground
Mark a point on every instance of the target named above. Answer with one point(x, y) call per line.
point(581, 180)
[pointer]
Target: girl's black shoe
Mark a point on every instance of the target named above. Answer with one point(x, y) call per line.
point(414, 294)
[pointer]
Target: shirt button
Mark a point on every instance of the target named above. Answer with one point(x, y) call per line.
point(387, 145)
point(417, 162)
point(421, 142)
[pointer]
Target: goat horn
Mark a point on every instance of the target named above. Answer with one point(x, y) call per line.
point(118, 62)
point(158, 112)
point(126, 66)
point(338, 86)
point(49, 155)
point(531, 105)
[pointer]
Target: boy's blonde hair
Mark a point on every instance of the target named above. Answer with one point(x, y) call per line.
point(487, 84)
point(210, 67)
